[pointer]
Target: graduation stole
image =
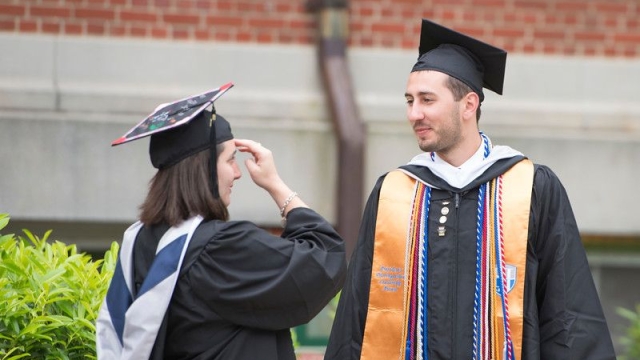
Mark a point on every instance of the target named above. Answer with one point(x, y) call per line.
point(396, 326)
point(127, 327)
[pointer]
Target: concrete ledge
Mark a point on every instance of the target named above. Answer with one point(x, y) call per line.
point(64, 99)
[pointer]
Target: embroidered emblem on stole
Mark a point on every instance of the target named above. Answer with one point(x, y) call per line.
point(511, 278)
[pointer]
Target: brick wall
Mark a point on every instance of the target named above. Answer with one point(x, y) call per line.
point(567, 27)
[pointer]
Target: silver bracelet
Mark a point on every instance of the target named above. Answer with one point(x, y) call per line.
point(286, 203)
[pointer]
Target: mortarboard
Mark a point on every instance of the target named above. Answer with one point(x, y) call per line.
point(469, 60)
point(183, 128)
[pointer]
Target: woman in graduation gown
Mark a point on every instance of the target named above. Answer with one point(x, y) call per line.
point(238, 289)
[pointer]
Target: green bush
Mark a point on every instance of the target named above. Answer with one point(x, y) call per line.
point(50, 297)
point(631, 339)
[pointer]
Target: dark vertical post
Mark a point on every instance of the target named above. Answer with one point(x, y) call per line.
point(333, 23)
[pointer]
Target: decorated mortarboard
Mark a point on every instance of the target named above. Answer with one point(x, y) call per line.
point(469, 60)
point(183, 128)
point(174, 114)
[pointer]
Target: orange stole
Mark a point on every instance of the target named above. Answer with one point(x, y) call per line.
point(385, 328)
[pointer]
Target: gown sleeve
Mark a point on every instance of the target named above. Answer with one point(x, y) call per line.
point(345, 341)
point(253, 278)
point(571, 323)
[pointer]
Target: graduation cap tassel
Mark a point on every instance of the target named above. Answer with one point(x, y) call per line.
point(213, 156)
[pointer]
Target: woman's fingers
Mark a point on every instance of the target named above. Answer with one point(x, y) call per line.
point(246, 145)
point(261, 155)
point(251, 166)
point(261, 167)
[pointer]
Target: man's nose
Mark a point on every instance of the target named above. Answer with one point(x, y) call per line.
point(414, 113)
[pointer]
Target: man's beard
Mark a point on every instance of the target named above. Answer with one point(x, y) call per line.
point(447, 136)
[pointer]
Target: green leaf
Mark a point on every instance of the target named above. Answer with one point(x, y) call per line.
point(4, 220)
point(16, 357)
point(627, 314)
point(13, 268)
point(631, 339)
point(52, 275)
point(51, 295)
point(32, 330)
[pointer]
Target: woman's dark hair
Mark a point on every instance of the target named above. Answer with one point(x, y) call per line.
point(182, 191)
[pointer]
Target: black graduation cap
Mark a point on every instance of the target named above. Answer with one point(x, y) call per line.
point(183, 128)
point(469, 60)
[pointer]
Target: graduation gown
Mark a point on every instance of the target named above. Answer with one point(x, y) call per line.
point(241, 289)
point(563, 318)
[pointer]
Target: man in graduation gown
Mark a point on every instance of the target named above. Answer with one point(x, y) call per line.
point(469, 251)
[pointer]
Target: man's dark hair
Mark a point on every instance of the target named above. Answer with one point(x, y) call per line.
point(459, 90)
point(182, 191)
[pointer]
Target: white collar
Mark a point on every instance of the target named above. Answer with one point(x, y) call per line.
point(474, 161)
point(460, 177)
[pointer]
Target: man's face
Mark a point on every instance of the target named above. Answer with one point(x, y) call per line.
point(432, 111)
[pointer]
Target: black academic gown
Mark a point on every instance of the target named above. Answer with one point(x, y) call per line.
point(241, 288)
point(563, 318)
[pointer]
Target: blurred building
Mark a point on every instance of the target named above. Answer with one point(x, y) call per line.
point(76, 74)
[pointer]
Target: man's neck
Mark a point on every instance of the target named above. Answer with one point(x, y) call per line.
point(464, 152)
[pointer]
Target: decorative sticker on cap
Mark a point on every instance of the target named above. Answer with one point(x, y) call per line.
point(168, 116)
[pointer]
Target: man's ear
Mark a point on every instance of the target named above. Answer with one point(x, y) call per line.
point(470, 103)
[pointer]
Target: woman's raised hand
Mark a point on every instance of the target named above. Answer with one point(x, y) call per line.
point(263, 172)
point(260, 166)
